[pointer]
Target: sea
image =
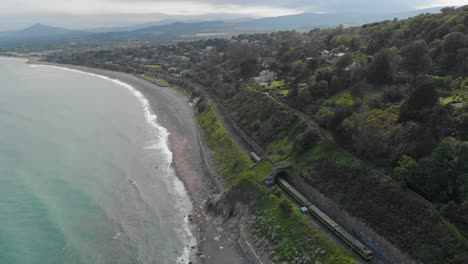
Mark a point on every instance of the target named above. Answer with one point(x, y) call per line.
point(86, 172)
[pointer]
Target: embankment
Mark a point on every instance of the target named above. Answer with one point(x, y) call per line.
point(275, 227)
point(377, 202)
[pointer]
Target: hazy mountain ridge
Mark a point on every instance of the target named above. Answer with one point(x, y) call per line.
point(37, 31)
point(165, 31)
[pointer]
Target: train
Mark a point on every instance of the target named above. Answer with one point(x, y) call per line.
point(355, 244)
point(254, 157)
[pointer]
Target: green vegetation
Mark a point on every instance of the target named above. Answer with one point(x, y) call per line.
point(156, 81)
point(153, 67)
point(344, 99)
point(149, 78)
point(280, 221)
point(230, 160)
point(277, 84)
point(163, 83)
point(289, 231)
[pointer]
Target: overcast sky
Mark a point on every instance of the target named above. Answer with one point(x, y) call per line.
point(96, 13)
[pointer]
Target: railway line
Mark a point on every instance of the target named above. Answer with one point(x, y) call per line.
point(342, 234)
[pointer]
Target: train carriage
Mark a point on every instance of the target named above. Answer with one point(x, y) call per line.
point(355, 244)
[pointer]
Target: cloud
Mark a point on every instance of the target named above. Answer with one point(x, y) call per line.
point(86, 13)
point(168, 7)
point(202, 7)
point(439, 3)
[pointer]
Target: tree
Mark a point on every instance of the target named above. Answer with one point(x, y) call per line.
point(464, 89)
point(451, 44)
point(312, 64)
point(360, 89)
point(370, 133)
point(340, 40)
point(435, 176)
point(382, 68)
point(462, 130)
point(446, 10)
point(336, 84)
point(345, 61)
point(306, 141)
point(285, 208)
point(248, 67)
point(406, 167)
point(415, 58)
point(423, 96)
point(319, 89)
point(298, 71)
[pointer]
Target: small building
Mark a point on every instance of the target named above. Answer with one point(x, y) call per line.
point(329, 57)
point(209, 48)
point(177, 59)
point(335, 57)
point(266, 76)
point(142, 60)
point(304, 210)
point(324, 54)
point(172, 70)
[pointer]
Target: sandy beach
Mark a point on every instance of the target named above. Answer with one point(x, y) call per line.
point(215, 242)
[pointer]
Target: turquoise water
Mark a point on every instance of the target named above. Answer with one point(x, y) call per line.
point(85, 172)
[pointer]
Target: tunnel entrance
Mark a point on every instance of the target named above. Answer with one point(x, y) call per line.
point(272, 179)
point(283, 175)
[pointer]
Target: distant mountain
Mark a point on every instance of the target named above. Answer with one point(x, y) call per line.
point(187, 31)
point(310, 20)
point(174, 31)
point(40, 33)
point(132, 27)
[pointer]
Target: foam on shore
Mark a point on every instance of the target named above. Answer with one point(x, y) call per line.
point(161, 143)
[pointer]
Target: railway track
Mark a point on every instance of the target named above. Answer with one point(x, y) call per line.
point(342, 234)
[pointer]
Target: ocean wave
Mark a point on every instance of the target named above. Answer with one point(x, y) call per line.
point(161, 143)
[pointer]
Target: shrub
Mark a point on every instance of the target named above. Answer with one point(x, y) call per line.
point(285, 207)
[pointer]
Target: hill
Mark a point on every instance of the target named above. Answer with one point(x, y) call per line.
point(207, 29)
point(39, 33)
point(311, 20)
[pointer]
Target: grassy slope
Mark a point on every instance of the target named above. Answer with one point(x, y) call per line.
point(291, 233)
point(422, 232)
point(164, 83)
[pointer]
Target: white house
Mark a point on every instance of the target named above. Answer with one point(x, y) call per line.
point(266, 76)
point(329, 57)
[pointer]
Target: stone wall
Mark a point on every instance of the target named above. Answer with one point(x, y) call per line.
point(354, 226)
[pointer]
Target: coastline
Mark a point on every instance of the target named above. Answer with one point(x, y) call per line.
point(174, 112)
point(214, 242)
